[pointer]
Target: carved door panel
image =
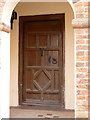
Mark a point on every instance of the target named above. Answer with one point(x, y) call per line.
point(42, 63)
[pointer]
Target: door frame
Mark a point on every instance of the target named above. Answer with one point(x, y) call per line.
point(23, 19)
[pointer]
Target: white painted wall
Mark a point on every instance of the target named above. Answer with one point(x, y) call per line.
point(25, 9)
point(5, 62)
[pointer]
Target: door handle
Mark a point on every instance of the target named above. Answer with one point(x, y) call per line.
point(42, 49)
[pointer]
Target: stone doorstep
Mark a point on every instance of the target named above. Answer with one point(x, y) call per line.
point(36, 112)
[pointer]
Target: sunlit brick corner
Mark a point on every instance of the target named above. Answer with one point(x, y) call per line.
point(80, 25)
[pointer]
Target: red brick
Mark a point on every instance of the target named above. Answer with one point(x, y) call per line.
point(80, 15)
point(79, 97)
point(82, 58)
point(86, 30)
point(86, 9)
point(82, 114)
point(82, 92)
point(79, 4)
point(2, 3)
point(78, 64)
point(86, 4)
point(82, 86)
point(79, 10)
point(82, 75)
point(86, 75)
point(80, 42)
point(86, 41)
point(82, 108)
point(82, 47)
point(79, 102)
point(82, 102)
point(82, 36)
point(80, 31)
point(80, 53)
point(85, 103)
point(86, 98)
point(86, 15)
point(86, 64)
point(81, 69)
point(82, 81)
point(87, 52)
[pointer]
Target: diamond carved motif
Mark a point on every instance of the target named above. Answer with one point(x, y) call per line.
point(42, 79)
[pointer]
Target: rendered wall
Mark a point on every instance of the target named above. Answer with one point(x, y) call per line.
point(24, 9)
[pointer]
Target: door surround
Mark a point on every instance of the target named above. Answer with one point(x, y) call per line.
point(22, 19)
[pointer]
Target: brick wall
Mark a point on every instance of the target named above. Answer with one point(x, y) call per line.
point(80, 25)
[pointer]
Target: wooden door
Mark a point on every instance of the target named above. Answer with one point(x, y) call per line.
point(42, 62)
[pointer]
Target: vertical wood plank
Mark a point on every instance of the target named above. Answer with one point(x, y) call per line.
point(52, 80)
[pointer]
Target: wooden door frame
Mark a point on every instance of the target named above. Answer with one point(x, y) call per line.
point(23, 19)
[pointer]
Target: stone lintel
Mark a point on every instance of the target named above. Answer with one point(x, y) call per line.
point(81, 23)
point(4, 28)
